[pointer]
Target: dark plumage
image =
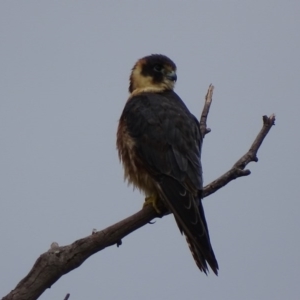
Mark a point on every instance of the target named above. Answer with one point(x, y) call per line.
point(159, 143)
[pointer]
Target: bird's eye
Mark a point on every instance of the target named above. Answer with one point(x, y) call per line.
point(157, 68)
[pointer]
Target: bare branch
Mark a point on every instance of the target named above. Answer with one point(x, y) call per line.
point(208, 99)
point(57, 261)
point(268, 122)
point(238, 168)
point(67, 297)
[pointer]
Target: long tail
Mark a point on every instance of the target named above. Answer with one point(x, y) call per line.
point(189, 215)
point(200, 259)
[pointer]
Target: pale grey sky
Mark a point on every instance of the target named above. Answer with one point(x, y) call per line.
point(64, 79)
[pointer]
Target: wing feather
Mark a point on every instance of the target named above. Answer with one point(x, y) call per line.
point(168, 142)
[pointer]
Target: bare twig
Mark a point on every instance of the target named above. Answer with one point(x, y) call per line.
point(238, 169)
point(208, 99)
point(57, 261)
point(251, 154)
point(67, 297)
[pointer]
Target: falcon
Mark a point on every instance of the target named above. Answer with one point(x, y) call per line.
point(159, 143)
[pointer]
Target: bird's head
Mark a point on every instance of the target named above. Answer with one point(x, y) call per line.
point(153, 73)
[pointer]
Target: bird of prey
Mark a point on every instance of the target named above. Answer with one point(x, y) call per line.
point(159, 143)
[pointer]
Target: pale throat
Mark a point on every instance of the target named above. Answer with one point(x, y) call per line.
point(144, 84)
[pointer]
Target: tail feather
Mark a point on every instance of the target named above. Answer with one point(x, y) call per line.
point(189, 215)
point(200, 260)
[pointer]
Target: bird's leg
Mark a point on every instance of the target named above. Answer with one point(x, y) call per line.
point(154, 201)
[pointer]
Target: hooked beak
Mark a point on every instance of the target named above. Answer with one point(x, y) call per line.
point(171, 76)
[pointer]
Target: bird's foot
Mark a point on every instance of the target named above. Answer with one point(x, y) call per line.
point(154, 201)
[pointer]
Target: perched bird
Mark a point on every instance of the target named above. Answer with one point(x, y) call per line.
point(159, 143)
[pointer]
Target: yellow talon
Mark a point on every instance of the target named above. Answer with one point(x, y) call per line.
point(154, 201)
